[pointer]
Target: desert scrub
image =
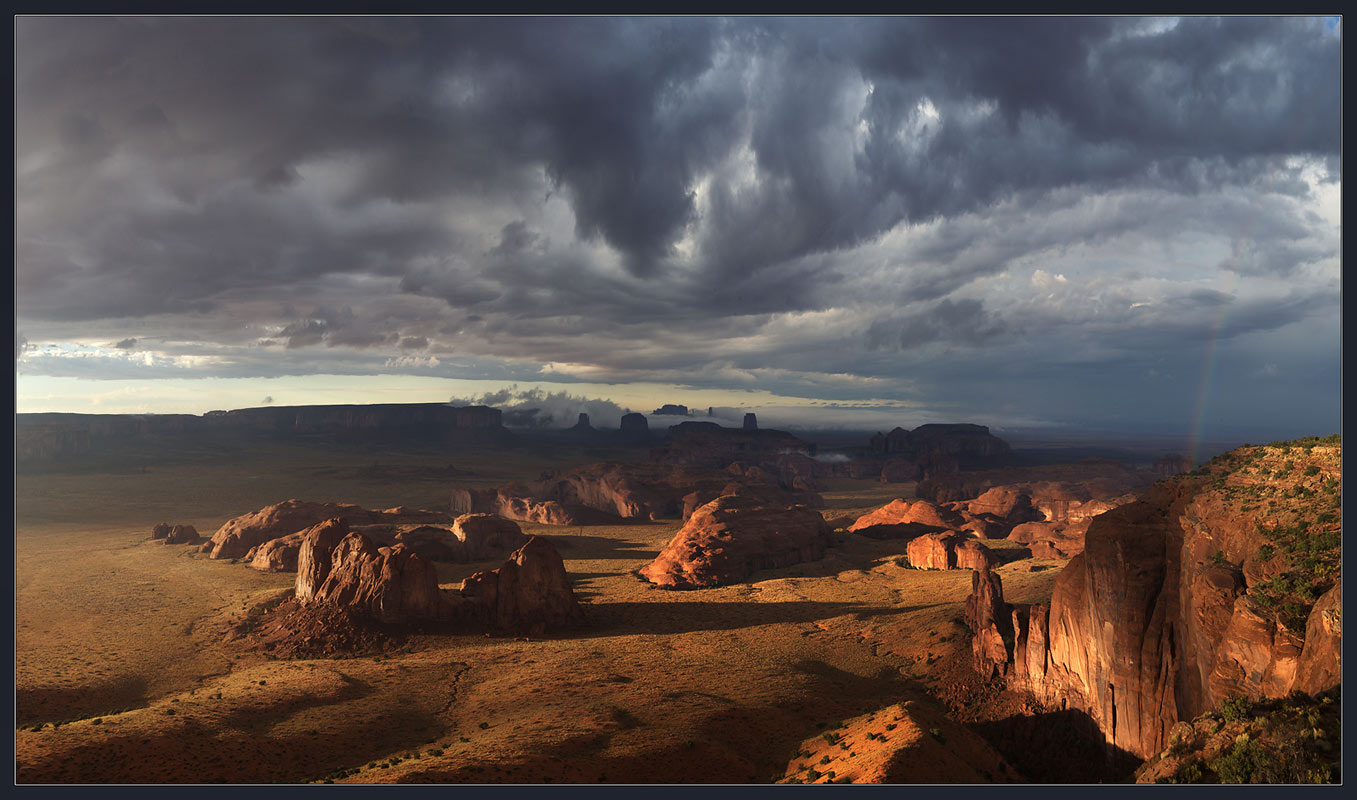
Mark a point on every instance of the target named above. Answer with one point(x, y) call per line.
point(1235, 708)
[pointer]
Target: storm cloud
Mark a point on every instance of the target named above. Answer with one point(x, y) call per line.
point(841, 209)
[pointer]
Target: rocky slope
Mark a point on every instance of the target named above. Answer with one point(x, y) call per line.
point(1296, 739)
point(910, 742)
point(1216, 584)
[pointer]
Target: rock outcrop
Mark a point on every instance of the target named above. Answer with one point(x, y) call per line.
point(947, 550)
point(484, 536)
point(1192, 595)
point(391, 585)
point(175, 534)
point(240, 535)
point(395, 585)
point(923, 516)
point(751, 422)
point(530, 593)
point(728, 539)
point(610, 493)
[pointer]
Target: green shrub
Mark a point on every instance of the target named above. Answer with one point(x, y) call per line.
point(1235, 708)
point(1239, 764)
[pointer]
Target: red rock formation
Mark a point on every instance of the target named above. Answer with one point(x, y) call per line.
point(314, 555)
point(1320, 666)
point(529, 593)
point(988, 617)
point(241, 534)
point(483, 536)
point(948, 550)
point(175, 534)
point(610, 493)
point(183, 534)
point(733, 536)
point(900, 511)
point(277, 555)
point(393, 585)
point(1162, 616)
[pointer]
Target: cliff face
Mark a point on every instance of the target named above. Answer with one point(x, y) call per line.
point(1213, 585)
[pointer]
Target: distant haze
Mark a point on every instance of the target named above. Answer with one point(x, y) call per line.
point(1123, 224)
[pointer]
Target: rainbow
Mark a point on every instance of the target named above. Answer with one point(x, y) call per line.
point(1208, 372)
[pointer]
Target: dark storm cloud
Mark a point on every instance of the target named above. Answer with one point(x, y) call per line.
point(126, 344)
point(651, 196)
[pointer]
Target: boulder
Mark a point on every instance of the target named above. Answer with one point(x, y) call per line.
point(733, 536)
point(160, 531)
point(182, 534)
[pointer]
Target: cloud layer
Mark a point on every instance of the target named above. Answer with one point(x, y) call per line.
point(1084, 219)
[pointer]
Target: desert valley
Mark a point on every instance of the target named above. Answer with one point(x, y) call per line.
point(419, 594)
point(667, 400)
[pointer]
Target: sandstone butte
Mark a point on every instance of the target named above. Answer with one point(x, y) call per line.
point(394, 585)
point(947, 550)
point(238, 536)
point(733, 536)
point(1184, 599)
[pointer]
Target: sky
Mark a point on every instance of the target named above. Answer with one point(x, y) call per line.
point(1121, 223)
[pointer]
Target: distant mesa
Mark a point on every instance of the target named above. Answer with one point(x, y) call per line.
point(730, 538)
point(583, 423)
point(175, 534)
point(634, 426)
point(670, 409)
point(751, 422)
point(938, 449)
point(47, 437)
